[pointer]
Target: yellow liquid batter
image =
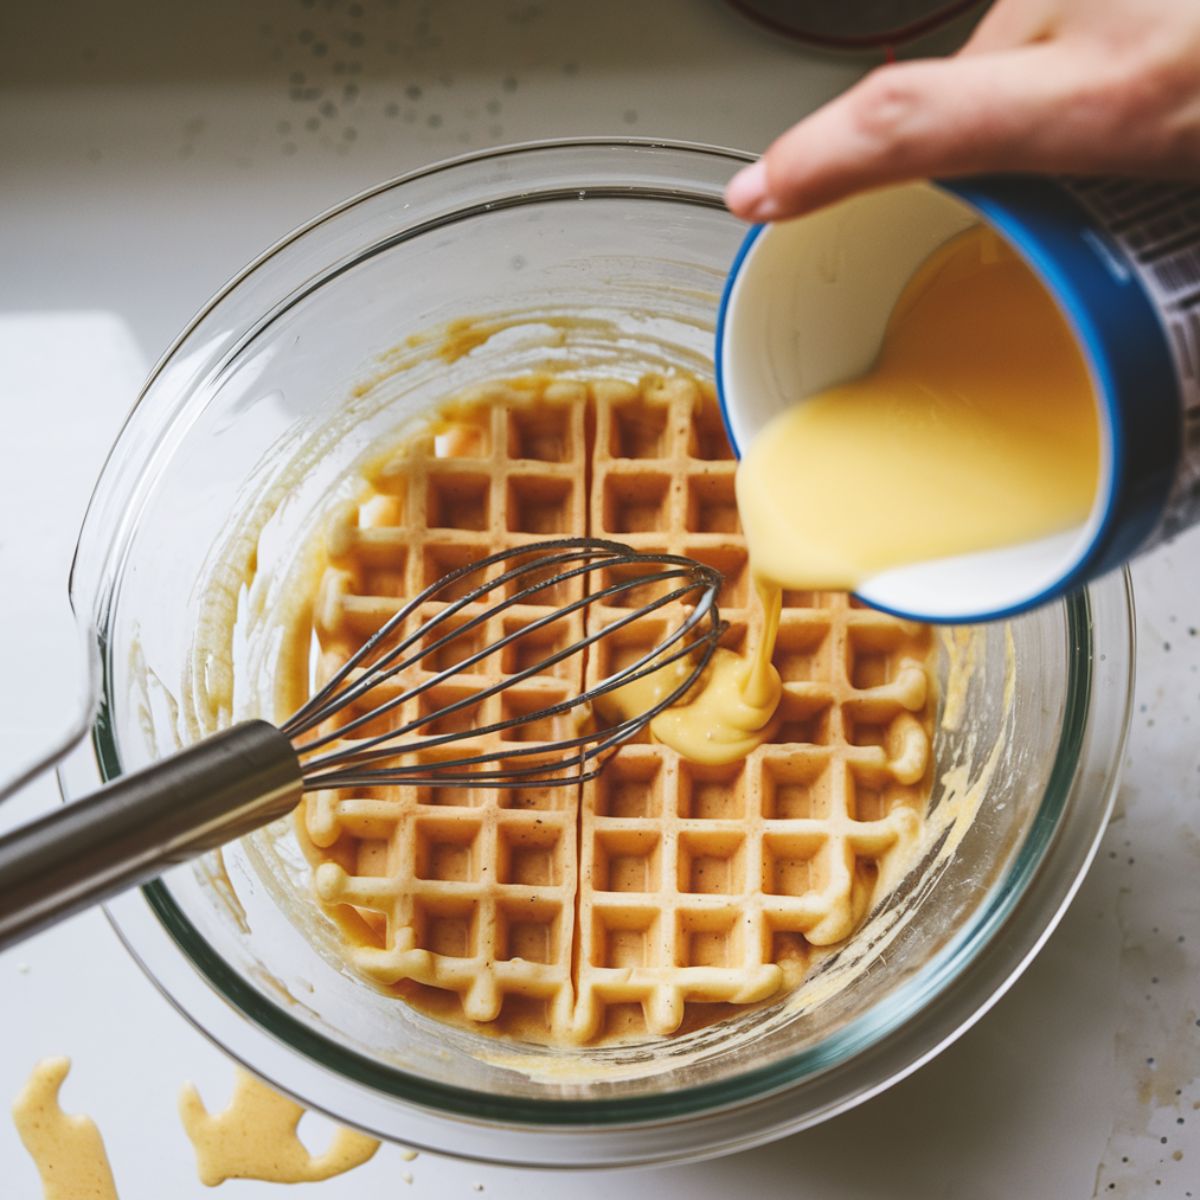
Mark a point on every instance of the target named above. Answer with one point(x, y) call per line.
point(67, 1149)
point(731, 714)
point(255, 1138)
point(976, 429)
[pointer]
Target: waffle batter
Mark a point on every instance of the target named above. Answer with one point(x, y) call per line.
point(677, 883)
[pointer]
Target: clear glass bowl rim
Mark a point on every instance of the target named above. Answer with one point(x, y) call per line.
point(870, 1031)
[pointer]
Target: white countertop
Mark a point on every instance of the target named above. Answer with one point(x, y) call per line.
point(147, 150)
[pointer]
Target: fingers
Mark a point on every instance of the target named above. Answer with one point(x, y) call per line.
point(936, 117)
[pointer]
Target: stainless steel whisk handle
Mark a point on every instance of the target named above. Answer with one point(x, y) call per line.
point(137, 826)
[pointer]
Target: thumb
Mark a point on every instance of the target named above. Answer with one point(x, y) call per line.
point(1007, 111)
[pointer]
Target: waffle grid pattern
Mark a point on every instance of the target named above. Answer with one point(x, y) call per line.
point(695, 880)
point(661, 883)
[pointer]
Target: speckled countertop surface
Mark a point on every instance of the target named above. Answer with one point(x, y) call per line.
point(148, 150)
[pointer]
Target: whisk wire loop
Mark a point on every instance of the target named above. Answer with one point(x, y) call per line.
point(328, 699)
point(394, 649)
point(373, 677)
point(537, 669)
point(649, 664)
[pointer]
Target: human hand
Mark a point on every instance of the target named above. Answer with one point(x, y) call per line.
point(1073, 86)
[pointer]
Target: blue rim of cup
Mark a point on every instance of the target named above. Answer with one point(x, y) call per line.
point(1124, 341)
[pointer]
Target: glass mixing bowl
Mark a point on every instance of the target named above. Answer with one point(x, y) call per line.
point(602, 258)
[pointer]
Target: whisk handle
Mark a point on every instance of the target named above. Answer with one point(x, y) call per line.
point(144, 822)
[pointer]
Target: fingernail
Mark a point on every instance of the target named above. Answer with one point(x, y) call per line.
point(746, 192)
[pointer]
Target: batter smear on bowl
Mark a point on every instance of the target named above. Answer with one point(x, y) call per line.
point(648, 900)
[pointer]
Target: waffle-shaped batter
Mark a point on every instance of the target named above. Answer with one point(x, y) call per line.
point(607, 910)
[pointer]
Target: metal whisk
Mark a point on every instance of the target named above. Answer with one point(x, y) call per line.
point(254, 772)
